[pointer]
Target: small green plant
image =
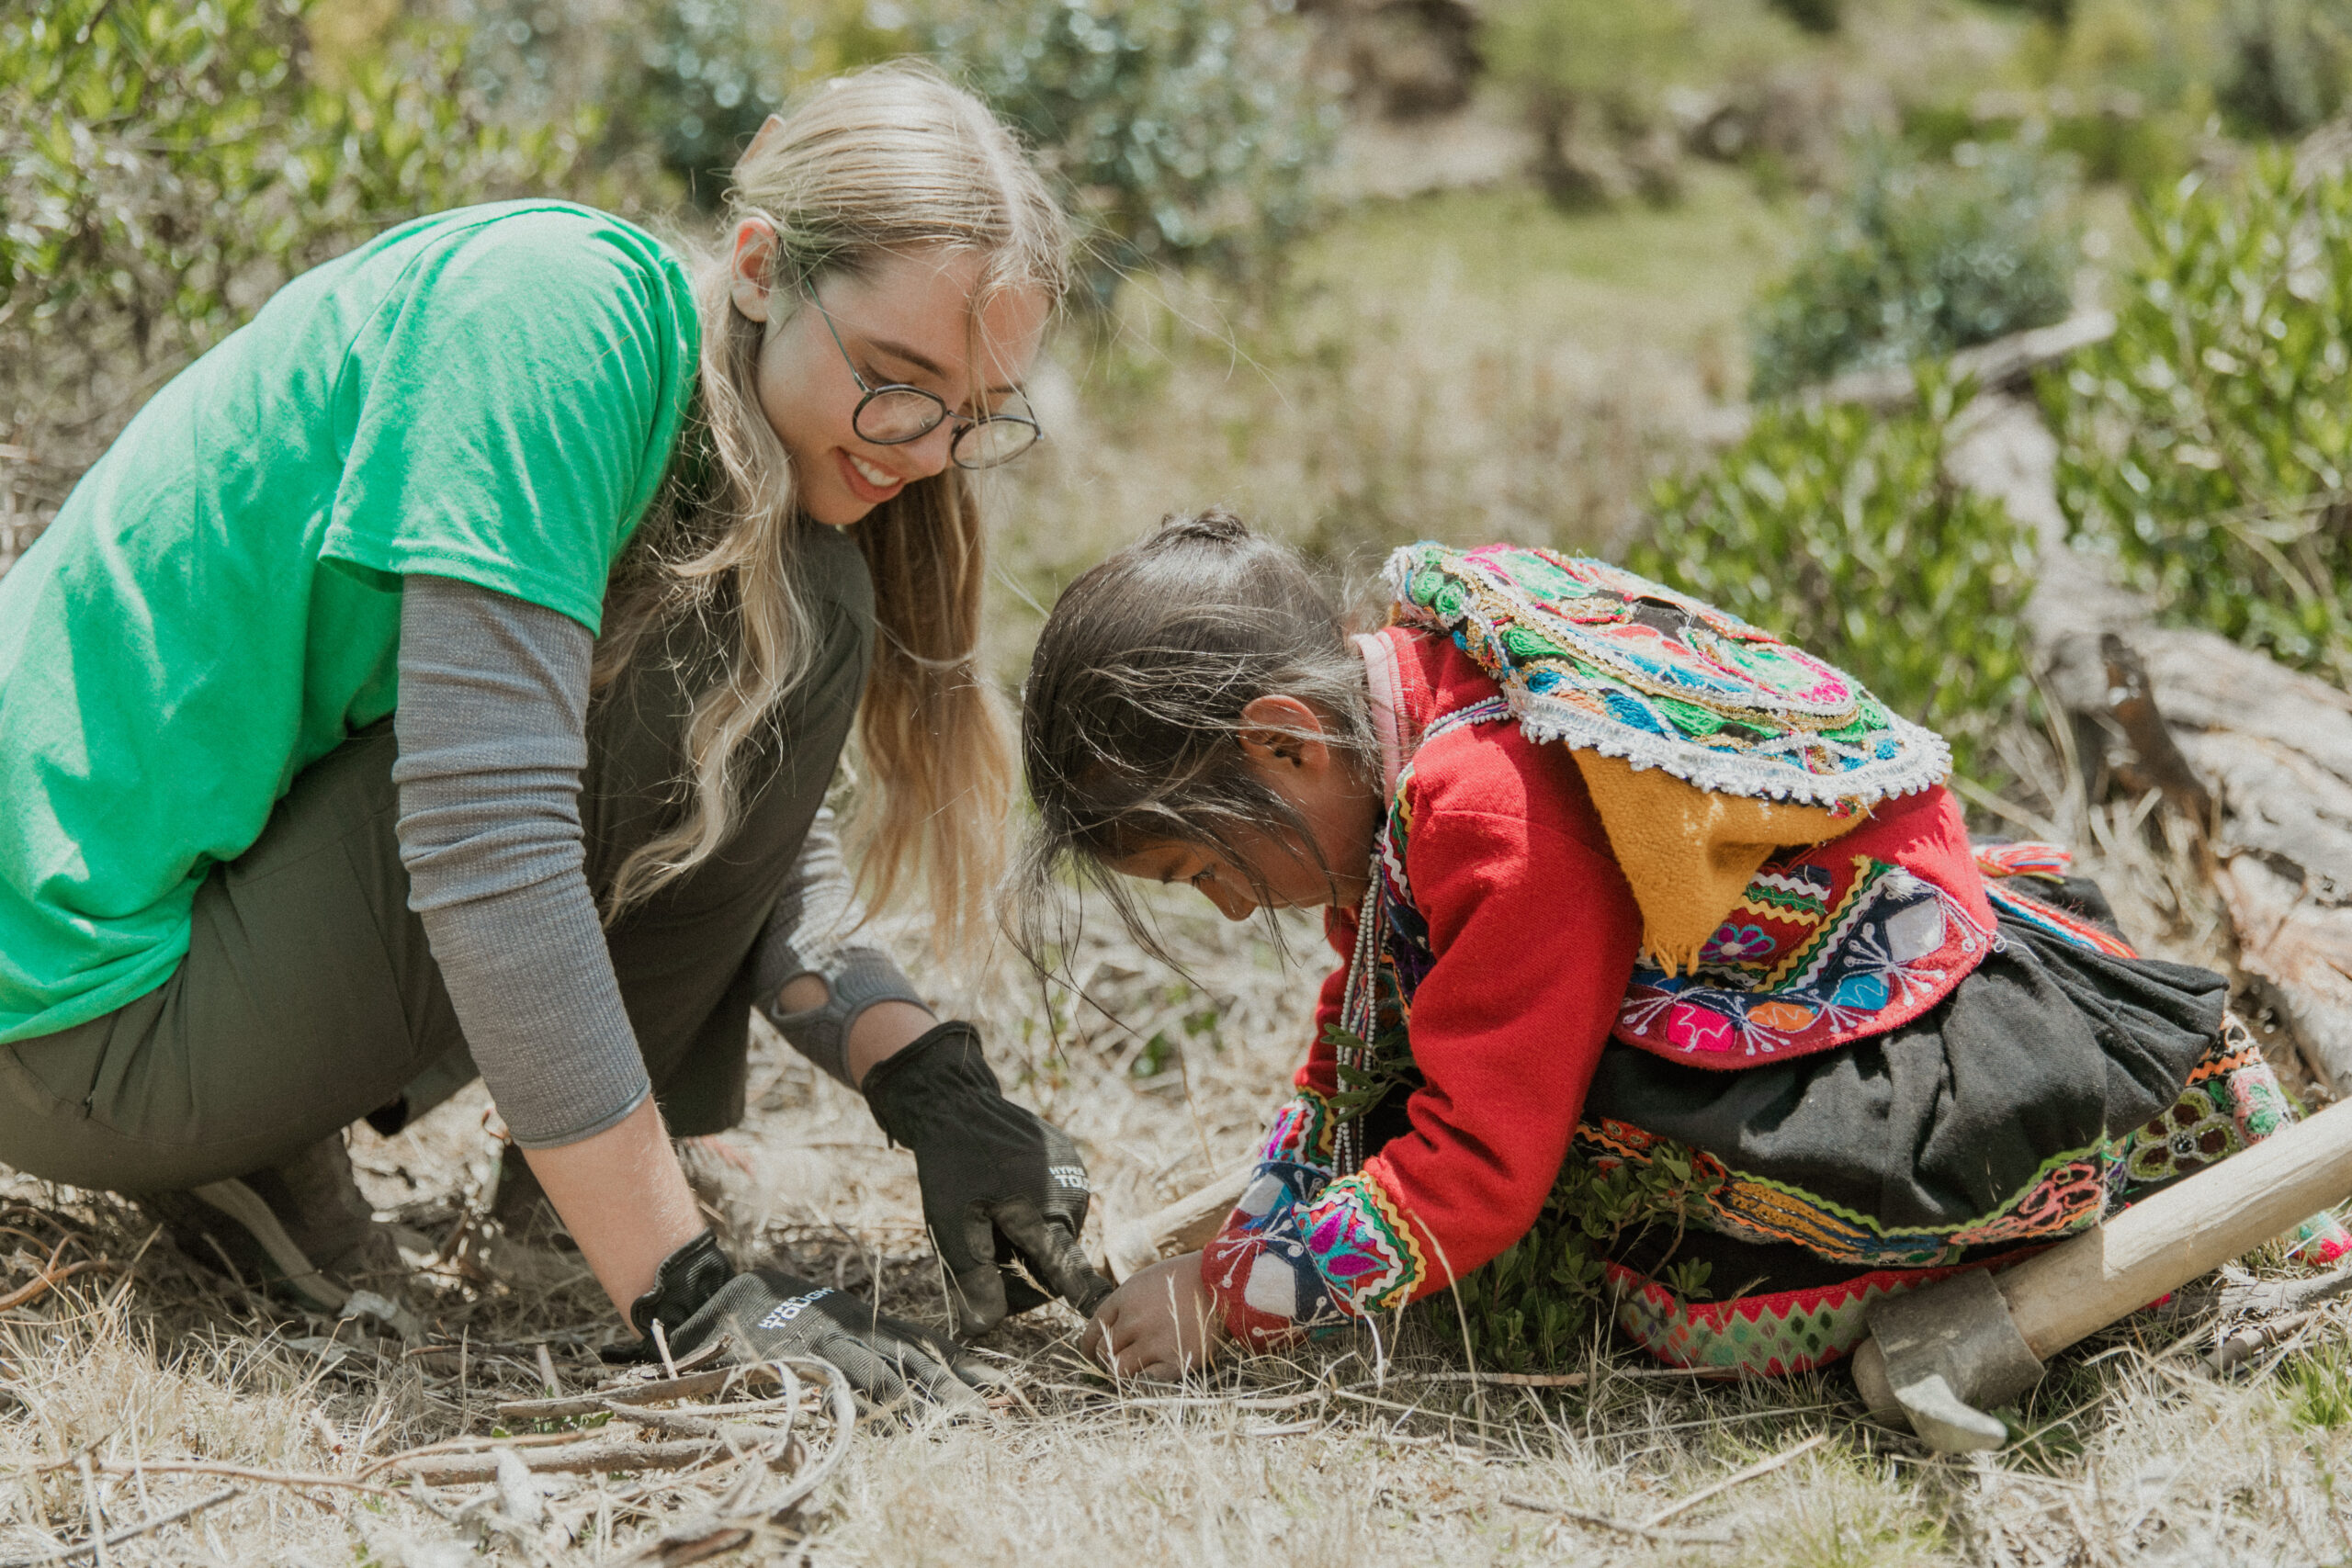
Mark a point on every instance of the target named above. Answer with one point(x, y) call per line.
point(2209, 443)
point(2318, 1388)
point(1927, 256)
point(1532, 1306)
point(1835, 527)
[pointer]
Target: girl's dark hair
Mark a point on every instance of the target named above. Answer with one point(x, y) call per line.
point(1131, 716)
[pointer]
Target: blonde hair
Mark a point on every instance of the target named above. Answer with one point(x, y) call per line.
point(884, 162)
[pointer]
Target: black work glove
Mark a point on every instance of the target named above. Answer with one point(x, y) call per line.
point(697, 1294)
point(998, 1182)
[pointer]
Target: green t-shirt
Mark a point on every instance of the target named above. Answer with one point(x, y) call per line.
point(490, 394)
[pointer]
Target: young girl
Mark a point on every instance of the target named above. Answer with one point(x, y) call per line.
point(1614, 877)
point(446, 671)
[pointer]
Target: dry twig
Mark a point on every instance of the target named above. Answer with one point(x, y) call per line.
point(128, 1532)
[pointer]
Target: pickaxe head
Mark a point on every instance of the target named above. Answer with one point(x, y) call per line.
point(1940, 1357)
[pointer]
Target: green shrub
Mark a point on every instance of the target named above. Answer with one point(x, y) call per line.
point(2209, 443)
point(1187, 131)
point(2289, 63)
point(1835, 528)
point(1925, 258)
point(706, 73)
point(163, 168)
point(1532, 1306)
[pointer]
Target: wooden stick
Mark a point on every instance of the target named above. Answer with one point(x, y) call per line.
point(685, 1387)
point(470, 1446)
point(2190, 1227)
point(1623, 1527)
point(128, 1532)
point(1763, 1467)
point(49, 1278)
point(1511, 1380)
point(574, 1459)
point(1181, 1226)
point(665, 1421)
point(233, 1471)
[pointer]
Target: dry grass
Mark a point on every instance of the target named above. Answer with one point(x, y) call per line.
point(1335, 1454)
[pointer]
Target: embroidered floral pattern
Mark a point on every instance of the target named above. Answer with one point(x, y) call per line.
point(1593, 655)
point(2233, 1102)
point(1362, 1246)
point(1300, 1131)
point(1818, 953)
point(1259, 1266)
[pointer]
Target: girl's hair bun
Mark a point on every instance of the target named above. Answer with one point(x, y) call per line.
point(1212, 524)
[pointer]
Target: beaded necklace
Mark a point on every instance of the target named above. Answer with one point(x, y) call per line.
point(1359, 1012)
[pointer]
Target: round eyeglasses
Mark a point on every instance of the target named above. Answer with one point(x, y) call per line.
point(895, 413)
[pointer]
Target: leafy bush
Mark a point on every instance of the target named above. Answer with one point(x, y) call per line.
point(1532, 1306)
point(706, 73)
point(164, 168)
point(2209, 443)
point(1188, 130)
point(2289, 63)
point(1835, 528)
point(1925, 258)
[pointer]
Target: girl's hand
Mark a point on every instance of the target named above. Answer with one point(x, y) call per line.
point(1161, 1324)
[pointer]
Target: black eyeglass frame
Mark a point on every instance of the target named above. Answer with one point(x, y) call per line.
point(954, 447)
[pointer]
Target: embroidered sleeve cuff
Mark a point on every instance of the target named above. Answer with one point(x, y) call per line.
point(1259, 1268)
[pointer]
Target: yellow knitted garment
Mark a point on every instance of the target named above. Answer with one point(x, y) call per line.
point(1690, 853)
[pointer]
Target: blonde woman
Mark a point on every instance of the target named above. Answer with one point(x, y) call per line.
point(446, 671)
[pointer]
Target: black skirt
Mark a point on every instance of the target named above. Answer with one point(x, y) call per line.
point(1992, 1119)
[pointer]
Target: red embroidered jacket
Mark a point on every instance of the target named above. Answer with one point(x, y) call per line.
point(1514, 944)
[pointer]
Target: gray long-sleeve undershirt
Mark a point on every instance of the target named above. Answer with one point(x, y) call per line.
point(491, 727)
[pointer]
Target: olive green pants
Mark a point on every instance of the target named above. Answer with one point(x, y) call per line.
point(309, 998)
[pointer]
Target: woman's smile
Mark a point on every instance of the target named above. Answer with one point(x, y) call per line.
point(868, 481)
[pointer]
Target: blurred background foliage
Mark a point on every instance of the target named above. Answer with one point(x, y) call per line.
point(164, 168)
point(1373, 269)
point(1184, 131)
point(1926, 256)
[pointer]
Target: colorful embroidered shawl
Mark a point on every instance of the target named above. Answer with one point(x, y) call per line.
point(1706, 743)
point(1591, 655)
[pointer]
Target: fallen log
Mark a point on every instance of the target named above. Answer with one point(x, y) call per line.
point(2256, 756)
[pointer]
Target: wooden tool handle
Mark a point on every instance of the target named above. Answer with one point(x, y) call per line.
point(1184, 1226)
point(2196, 1225)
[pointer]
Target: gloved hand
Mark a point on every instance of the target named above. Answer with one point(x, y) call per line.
point(998, 1182)
point(698, 1294)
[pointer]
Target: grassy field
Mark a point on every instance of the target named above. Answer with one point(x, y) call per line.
point(1466, 365)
